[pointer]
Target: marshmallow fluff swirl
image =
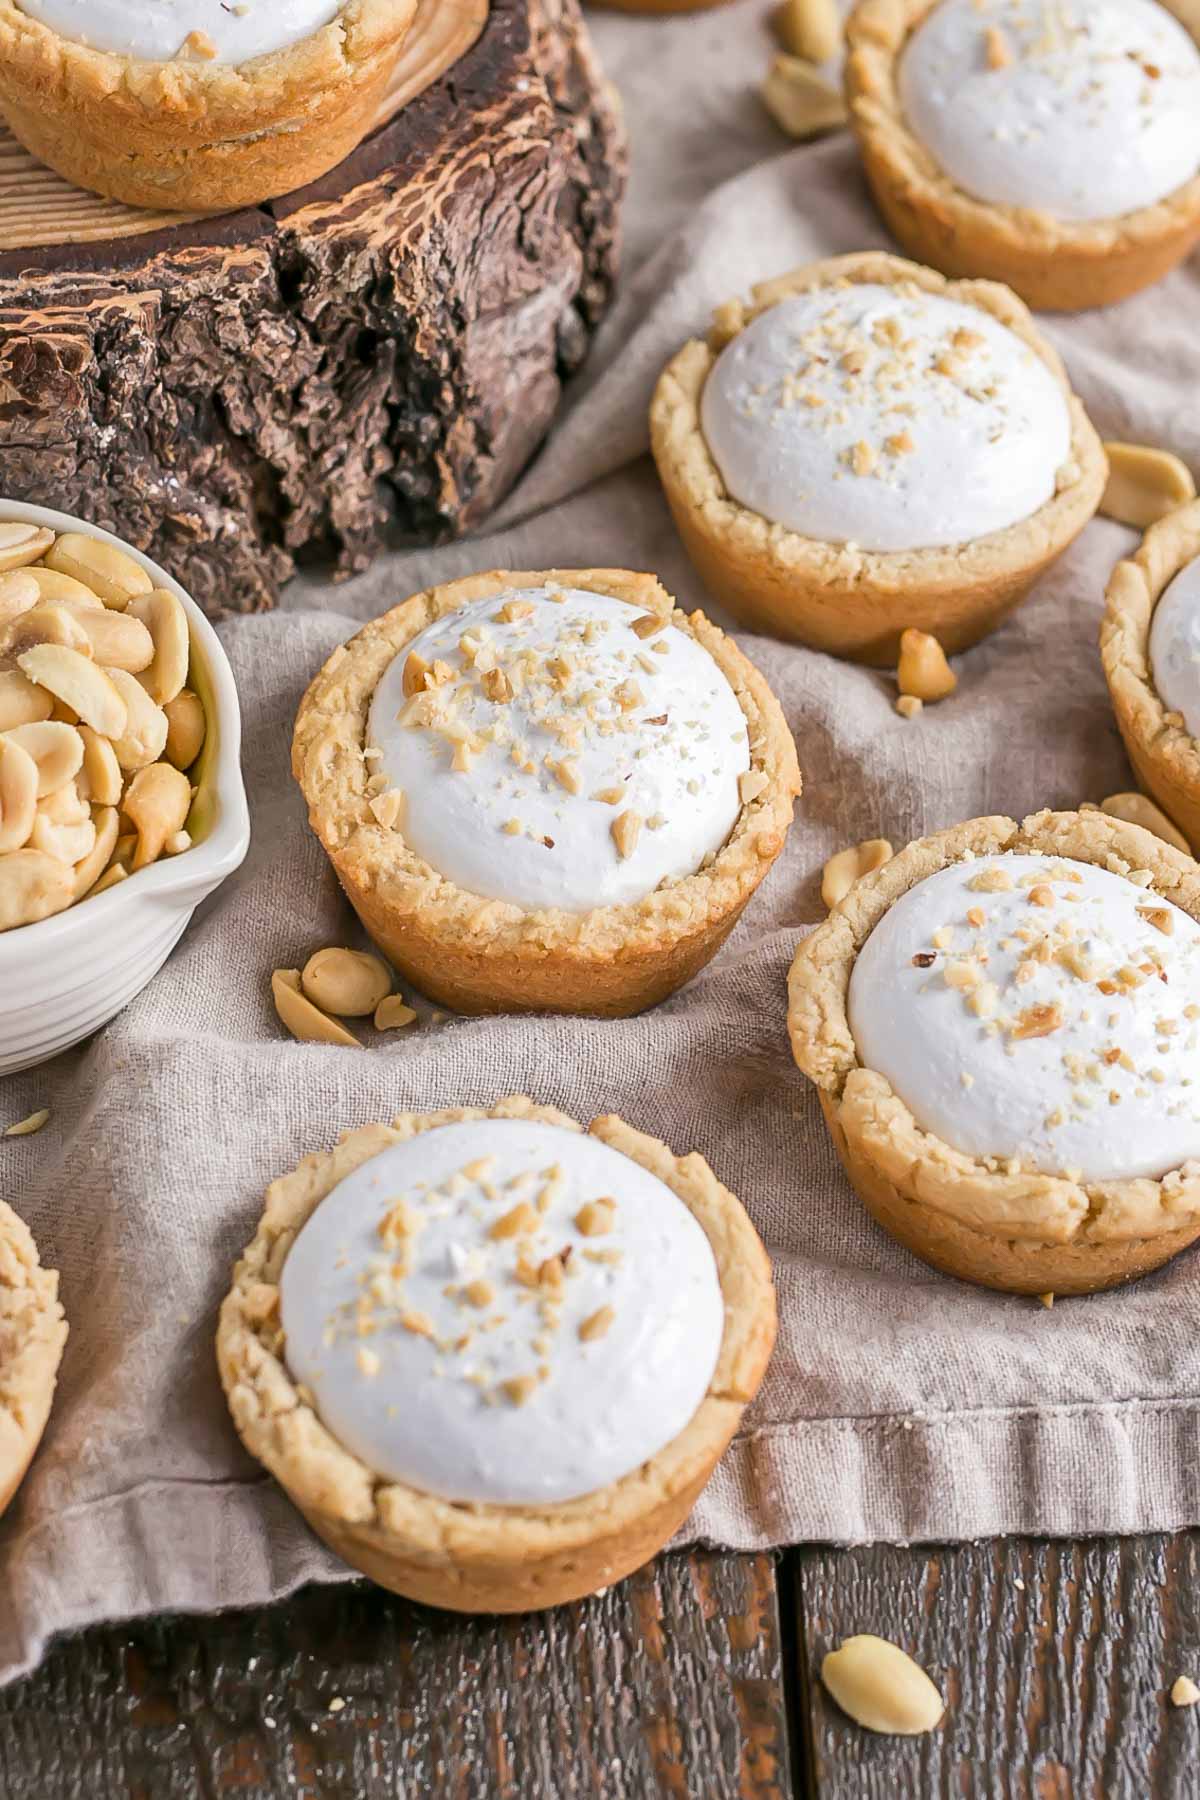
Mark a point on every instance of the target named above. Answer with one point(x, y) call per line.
point(567, 750)
point(504, 1311)
point(1175, 646)
point(1048, 1011)
point(885, 417)
point(198, 31)
point(1082, 109)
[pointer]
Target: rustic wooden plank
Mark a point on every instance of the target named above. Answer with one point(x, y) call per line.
point(1056, 1660)
point(670, 1684)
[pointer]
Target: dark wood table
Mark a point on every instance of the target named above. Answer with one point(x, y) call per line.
point(696, 1678)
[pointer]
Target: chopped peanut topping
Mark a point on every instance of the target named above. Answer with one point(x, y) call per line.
point(516, 1222)
point(597, 1324)
point(595, 1218)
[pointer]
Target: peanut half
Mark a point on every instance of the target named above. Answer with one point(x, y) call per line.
point(145, 735)
point(348, 983)
point(117, 640)
point(63, 826)
point(166, 623)
point(79, 684)
point(56, 749)
point(32, 886)
point(1144, 485)
point(392, 1013)
point(809, 28)
point(923, 670)
point(42, 624)
point(18, 794)
point(799, 100)
point(881, 1687)
point(186, 728)
point(157, 801)
point(1135, 809)
point(304, 1020)
point(21, 544)
point(91, 867)
point(843, 870)
point(21, 701)
point(108, 571)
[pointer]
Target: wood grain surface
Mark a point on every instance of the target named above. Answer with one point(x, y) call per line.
point(670, 1684)
point(1055, 1659)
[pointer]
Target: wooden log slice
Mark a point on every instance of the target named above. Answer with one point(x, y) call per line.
point(374, 358)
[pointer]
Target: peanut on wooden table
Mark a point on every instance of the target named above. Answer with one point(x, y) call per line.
point(98, 726)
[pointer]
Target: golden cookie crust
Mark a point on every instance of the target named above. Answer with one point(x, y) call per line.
point(856, 603)
point(193, 135)
point(1024, 1232)
point(476, 1557)
point(1165, 756)
point(478, 955)
point(1055, 265)
point(32, 1334)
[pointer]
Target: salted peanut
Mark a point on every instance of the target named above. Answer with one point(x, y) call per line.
point(799, 101)
point(91, 867)
point(348, 983)
point(117, 640)
point(79, 684)
point(304, 1020)
point(100, 777)
point(157, 801)
point(32, 886)
point(145, 735)
point(18, 592)
point(392, 1013)
point(21, 544)
point(64, 590)
point(1144, 485)
point(112, 877)
point(882, 1688)
point(186, 728)
point(18, 794)
point(923, 670)
point(56, 749)
point(1184, 1691)
point(908, 706)
point(1135, 809)
point(42, 624)
point(63, 825)
point(166, 621)
point(809, 28)
point(843, 870)
point(33, 1124)
point(21, 701)
point(99, 566)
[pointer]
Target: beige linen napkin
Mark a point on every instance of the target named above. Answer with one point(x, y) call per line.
point(899, 1405)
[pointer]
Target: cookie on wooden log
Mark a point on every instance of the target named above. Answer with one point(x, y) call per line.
point(373, 359)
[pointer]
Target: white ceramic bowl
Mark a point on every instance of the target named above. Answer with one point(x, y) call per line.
point(64, 977)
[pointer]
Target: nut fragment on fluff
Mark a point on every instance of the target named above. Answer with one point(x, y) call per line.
point(811, 29)
point(881, 1687)
point(923, 670)
point(1144, 485)
point(799, 100)
point(843, 870)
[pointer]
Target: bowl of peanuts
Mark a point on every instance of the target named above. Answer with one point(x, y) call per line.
point(121, 796)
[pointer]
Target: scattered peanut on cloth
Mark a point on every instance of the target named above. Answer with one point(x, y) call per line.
point(843, 870)
point(881, 1687)
point(1184, 1692)
point(1144, 485)
point(795, 93)
point(923, 673)
point(98, 726)
point(336, 983)
point(28, 1127)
